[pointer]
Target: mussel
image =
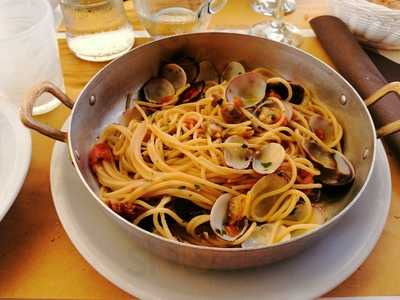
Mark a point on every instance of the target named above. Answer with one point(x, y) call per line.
point(227, 219)
point(237, 157)
point(248, 88)
point(192, 93)
point(262, 236)
point(269, 158)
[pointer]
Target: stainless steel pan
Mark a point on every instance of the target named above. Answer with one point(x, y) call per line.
point(103, 99)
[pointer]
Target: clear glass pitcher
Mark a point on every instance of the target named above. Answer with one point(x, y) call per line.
point(162, 18)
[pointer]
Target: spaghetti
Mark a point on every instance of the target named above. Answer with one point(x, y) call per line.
point(166, 167)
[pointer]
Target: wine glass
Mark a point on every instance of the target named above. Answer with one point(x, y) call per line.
point(265, 7)
point(276, 29)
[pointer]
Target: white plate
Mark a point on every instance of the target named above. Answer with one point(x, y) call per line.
point(308, 275)
point(15, 155)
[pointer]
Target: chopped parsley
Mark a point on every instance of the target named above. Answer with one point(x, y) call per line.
point(220, 231)
point(267, 165)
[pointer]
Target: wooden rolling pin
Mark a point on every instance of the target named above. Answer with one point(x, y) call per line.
point(355, 65)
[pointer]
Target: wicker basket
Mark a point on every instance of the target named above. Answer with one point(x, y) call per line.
point(373, 24)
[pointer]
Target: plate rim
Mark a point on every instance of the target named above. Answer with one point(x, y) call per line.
point(23, 148)
point(343, 274)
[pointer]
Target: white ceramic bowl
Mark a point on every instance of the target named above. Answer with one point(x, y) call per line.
point(373, 24)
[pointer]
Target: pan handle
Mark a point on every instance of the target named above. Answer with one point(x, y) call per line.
point(27, 108)
point(391, 127)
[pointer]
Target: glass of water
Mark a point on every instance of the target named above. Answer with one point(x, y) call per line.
point(97, 30)
point(28, 51)
point(162, 18)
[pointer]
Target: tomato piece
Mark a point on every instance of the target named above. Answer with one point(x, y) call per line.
point(320, 133)
point(99, 153)
point(232, 230)
point(305, 177)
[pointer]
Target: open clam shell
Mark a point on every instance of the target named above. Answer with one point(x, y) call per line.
point(219, 219)
point(318, 154)
point(337, 169)
point(342, 175)
point(237, 157)
point(248, 88)
point(232, 70)
point(262, 236)
point(158, 90)
point(322, 128)
point(174, 74)
point(192, 93)
point(269, 158)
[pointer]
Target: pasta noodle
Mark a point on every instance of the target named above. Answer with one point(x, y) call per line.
point(168, 166)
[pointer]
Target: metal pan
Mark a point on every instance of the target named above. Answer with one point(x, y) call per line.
point(103, 100)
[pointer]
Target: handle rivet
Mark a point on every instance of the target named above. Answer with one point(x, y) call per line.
point(77, 155)
point(365, 153)
point(343, 100)
point(92, 100)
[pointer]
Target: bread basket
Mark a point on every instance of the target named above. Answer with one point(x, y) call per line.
point(373, 24)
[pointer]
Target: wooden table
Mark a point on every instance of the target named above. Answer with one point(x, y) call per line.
point(37, 260)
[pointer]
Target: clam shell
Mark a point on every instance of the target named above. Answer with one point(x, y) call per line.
point(174, 74)
point(218, 218)
point(207, 72)
point(232, 70)
point(270, 158)
point(262, 236)
point(237, 157)
point(249, 88)
point(158, 90)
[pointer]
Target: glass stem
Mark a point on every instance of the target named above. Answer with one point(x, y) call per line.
point(278, 14)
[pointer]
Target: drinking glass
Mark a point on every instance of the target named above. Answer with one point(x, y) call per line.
point(266, 7)
point(97, 30)
point(162, 18)
point(28, 51)
point(277, 29)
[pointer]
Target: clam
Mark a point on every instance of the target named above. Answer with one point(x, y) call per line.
point(237, 157)
point(318, 214)
point(262, 236)
point(159, 90)
point(265, 73)
point(192, 93)
point(322, 128)
point(269, 158)
point(226, 219)
point(190, 66)
point(318, 154)
point(174, 74)
point(129, 115)
point(232, 70)
point(248, 88)
point(267, 111)
point(342, 175)
point(207, 72)
point(337, 169)
point(265, 184)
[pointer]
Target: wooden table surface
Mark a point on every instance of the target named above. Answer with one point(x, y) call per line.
point(37, 260)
